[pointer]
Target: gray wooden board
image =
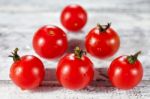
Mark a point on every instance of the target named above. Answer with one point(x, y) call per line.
point(93, 91)
point(19, 19)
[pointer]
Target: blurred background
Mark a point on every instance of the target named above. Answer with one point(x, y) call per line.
point(20, 19)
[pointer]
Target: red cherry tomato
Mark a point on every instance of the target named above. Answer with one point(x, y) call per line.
point(75, 71)
point(73, 17)
point(50, 42)
point(125, 72)
point(27, 72)
point(102, 41)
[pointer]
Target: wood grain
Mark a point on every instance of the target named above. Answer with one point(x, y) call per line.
point(53, 90)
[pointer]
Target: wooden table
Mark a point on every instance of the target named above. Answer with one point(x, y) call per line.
point(19, 19)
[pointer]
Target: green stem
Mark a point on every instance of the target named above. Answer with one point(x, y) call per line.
point(15, 55)
point(79, 52)
point(103, 28)
point(133, 58)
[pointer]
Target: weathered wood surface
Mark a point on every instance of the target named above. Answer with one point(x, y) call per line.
point(93, 91)
point(19, 19)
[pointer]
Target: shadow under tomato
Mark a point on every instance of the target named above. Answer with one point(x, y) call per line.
point(78, 32)
point(74, 43)
point(101, 78)
point(49, 83)
point(100, 82)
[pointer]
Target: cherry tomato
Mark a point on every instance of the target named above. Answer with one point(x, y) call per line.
point(75, 70)
point(125, 72)
point(73, 17)
point(102, 41)
point(50, 42)
point(27, 71)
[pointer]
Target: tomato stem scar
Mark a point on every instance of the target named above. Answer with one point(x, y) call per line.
point(52, 33)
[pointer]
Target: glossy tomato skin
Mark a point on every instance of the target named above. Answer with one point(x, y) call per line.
point(73, 17)
point(74, 73)
point(102, 44)
point(28, 72)
point(50, 42)
point(124, 75)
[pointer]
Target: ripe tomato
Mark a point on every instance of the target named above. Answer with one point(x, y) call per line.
point(50, 42)
point(125, 72)
point(73, 17)
point(102, 41)
point(27, 71)
point(75, 70)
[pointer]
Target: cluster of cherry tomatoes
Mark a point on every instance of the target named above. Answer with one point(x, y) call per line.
point(75, 70)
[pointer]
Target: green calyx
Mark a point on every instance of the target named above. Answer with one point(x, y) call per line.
point(79, 52)
point(103, 28)
point(133, 58)
point(15, 55)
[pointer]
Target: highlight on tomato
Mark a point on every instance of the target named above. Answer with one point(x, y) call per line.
point(102, 41)
point(27, 72)
point(125, 72)
point(75, 70)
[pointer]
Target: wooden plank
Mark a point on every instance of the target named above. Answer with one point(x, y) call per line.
point(96, 91)
point(94, 5)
